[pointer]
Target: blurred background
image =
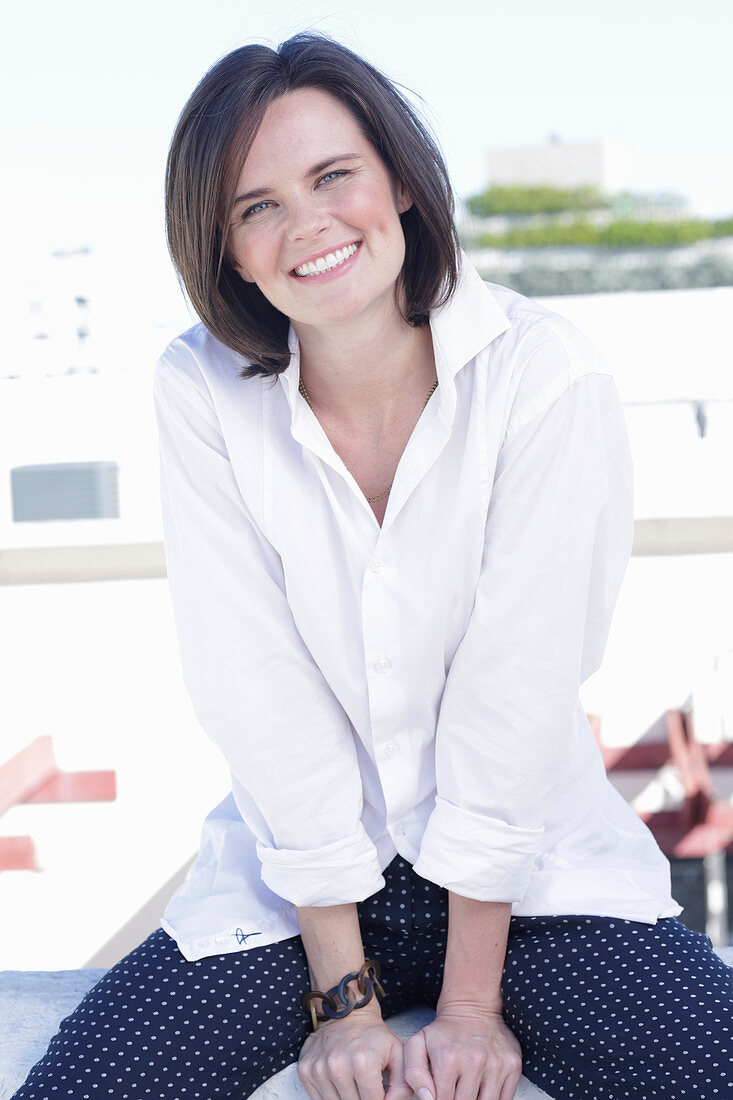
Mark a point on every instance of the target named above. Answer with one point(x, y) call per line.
point(591, 151)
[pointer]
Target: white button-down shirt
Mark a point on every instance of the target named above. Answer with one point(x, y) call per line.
point(410, 688)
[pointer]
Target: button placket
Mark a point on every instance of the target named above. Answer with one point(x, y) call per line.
point(387, 707)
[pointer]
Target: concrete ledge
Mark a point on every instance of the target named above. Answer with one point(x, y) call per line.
point(146, 560)
point(683, 535)
point(33, 1004)
point(59, 564)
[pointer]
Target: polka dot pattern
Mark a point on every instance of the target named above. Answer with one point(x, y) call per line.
point(607, 1008)
point(604, 1008)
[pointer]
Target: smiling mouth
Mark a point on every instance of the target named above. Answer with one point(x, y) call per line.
point(328, 262)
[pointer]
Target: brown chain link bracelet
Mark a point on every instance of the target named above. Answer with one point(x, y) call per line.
point(368, 982)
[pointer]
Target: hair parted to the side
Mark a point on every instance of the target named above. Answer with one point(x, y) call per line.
point(210, 144)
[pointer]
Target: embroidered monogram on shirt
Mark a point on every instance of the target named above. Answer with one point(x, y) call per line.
point(243, 936)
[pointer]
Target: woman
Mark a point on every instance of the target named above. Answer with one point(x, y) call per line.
point(397, 512)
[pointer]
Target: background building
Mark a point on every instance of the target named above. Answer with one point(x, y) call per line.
point(601, 164)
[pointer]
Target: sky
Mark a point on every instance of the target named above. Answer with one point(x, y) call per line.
point(90, 92)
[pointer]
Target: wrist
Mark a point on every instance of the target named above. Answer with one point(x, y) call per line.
point(475, 956)
point(358, 991)
point(485, 1003)
point(368, 1013)
point(353, 992)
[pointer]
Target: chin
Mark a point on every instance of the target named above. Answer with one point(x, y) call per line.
point(329, 313)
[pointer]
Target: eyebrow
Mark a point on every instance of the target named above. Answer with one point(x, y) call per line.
point(259, 192)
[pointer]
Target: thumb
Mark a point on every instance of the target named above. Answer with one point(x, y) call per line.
point(416, 1068)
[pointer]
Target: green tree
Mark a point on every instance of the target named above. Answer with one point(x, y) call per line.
point(535, 200)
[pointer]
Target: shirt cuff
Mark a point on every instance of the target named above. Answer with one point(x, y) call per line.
point(475, 856)
point(344, 871)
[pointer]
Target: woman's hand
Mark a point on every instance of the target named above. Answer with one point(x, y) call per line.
point(472, 1055)
point(345, 1059)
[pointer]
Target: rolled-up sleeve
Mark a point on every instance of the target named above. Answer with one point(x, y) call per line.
point(557, 542)
point(254, 686)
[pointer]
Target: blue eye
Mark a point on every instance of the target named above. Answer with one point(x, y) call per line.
point(330, 176)
point(258, 206)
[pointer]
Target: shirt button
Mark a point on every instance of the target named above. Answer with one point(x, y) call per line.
point(384, 664)
point(376, 565)
point(391, 749)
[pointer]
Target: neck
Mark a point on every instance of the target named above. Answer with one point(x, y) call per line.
point(362, 377)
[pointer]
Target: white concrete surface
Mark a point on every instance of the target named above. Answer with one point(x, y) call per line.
point(33, 1004)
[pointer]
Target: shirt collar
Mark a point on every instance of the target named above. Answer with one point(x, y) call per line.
point(461, 328)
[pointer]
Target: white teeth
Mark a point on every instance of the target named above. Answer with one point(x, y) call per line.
point(326, 263)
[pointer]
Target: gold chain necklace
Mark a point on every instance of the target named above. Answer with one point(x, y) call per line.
point(384, 492)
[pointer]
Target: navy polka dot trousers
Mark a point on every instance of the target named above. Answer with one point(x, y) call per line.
point(604, 1008)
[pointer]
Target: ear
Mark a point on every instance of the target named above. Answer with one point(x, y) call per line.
point(404, 198)
point(243, 272)
point(240, 270)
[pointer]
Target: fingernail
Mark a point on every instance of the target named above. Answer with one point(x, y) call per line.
point(425, 1094)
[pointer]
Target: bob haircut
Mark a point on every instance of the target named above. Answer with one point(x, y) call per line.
point(210, 144)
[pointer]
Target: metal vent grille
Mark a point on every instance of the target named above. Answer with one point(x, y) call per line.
point(65, 490)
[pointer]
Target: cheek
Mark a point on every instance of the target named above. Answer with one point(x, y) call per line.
point(386, 216)
point(371, 209)
point(389, 227)
point(256, 259)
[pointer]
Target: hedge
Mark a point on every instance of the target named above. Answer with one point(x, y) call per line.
point(620, 233)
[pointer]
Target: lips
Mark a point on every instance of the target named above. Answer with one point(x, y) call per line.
point(327, 260)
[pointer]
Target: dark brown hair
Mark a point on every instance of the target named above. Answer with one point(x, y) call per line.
point(209, 146)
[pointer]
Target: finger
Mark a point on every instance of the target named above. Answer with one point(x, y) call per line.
point(339, 1084)
point(510, 1086)
point(472, 1083)
point(326, 1089)
point(330, 1075)
point(445, 1076)
point(398, 1086)
point(416, 1070)
point(309, 1084)
point(368, 1077)
point(500, 1088)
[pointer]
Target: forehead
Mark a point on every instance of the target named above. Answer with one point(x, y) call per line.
point(299, 129)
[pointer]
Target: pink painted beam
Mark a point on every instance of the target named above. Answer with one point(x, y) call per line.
point(676, 838)
point(25, 772)
point(33, 775)
point(720, 756)
point(17, 854)
point(700, 826)
point(77, 787)
point(649, 756)
point(715, 834)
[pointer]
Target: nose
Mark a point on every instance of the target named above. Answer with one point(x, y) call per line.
point(307, 219)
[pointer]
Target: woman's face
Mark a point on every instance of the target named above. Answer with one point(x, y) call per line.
point(322, 195)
